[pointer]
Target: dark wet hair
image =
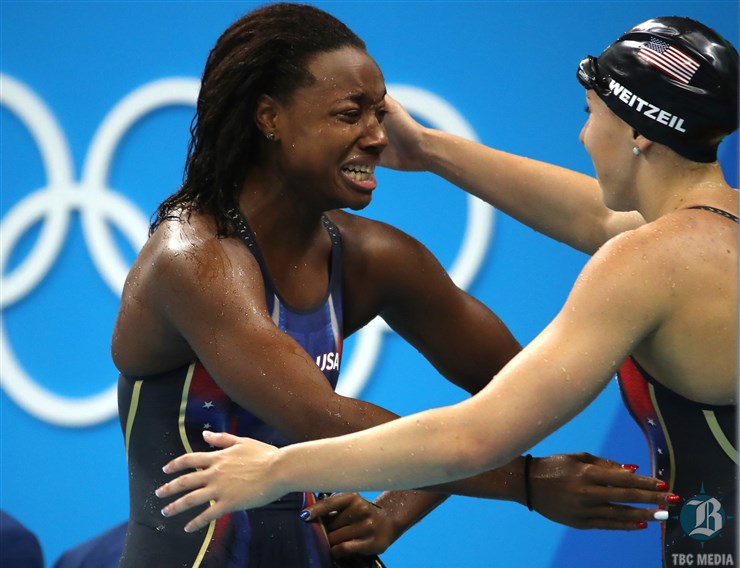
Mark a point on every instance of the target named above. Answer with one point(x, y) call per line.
point(266, 51)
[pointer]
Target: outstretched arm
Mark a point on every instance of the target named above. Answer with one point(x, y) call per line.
point(560, 203)
point(565, 367)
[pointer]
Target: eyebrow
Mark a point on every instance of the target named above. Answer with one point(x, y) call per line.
point(359, 97)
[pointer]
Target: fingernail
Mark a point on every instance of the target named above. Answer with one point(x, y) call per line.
point(189, 529)
point(661, 486)
point(304, 515)
point(207, 434)
point(164, 512)
point(166, 469)
point(158, 492)
point(630, 466)
point(672, 499)
point(661, 515)
point(641, 524)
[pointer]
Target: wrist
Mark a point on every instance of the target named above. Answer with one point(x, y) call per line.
point(440, 153)
point(432, 156)
point(528, 482)
point(278, 471)
point(406, 508)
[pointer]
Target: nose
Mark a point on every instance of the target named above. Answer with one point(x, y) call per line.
point(374, 138)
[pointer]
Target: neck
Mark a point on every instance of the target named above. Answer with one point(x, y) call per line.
point(667, 185)
point(280, 218)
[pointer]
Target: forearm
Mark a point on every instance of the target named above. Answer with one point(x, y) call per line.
point(555, 201)
point(407, 508)
point(421, 450)
point(506, 483)
point(336, 417)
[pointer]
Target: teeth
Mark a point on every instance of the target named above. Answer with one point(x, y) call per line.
point(360, 173)
point(363, 169)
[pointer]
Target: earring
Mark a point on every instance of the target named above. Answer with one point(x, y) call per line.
point(270, 136)
point(636, 151)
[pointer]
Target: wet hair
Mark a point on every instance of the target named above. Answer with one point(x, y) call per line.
point(265, 52)
point(674, 80)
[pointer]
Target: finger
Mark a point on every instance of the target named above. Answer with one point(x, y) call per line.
point(606, 463)
point(220, 439)
point(620, 517)
point(362, 547)
point(596, 460)
point(621, 495)
point(208, 515)
point(185, 482)
point(358, 519)
point(624, 478)
point(349, 532)
point(327, 505)
point(187, 501)
point(626, 513)
point(613, 525)
point(195, 460)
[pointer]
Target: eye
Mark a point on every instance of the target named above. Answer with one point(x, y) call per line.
point(587, 109)
point(380, 114)
point(350, 115)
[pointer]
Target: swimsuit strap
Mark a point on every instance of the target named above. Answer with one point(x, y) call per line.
point(715, 210)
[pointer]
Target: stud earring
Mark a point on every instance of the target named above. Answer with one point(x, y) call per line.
point(636, 151)
point(270, 136)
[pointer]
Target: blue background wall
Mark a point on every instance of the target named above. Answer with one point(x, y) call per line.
point(506, 67)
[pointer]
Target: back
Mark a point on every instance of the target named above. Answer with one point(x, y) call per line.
point(694, 351)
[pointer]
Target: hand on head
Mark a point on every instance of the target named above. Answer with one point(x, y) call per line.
point(404, 139)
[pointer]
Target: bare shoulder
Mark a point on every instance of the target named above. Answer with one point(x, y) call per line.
point(678, 274)
point(386, 270)
point(183, 275)
point(186, 252)
point(370, 240)
point(685, 236)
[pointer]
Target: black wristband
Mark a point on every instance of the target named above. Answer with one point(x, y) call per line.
point(527, 488)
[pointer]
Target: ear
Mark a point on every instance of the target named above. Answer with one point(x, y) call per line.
point(641, 142)
point(265, 116)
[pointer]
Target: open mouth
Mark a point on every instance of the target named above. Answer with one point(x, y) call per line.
point(359, 173)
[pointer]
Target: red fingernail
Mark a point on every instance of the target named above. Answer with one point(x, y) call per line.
point(630, 466)
point(661, 486)
point(672, 499)
point(641, 524)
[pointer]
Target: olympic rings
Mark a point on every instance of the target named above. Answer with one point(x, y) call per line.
point(100, 207)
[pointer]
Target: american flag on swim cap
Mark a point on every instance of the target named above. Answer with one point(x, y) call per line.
point(670, 60)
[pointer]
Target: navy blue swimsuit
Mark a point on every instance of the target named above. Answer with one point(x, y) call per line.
point(163, 416)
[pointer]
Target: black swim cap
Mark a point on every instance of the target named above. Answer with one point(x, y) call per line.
point(674, 80)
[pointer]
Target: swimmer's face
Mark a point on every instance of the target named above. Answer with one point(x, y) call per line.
point(609, 141)
point(330, 133)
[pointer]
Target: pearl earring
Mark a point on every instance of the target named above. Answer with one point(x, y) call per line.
point(636, 151)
